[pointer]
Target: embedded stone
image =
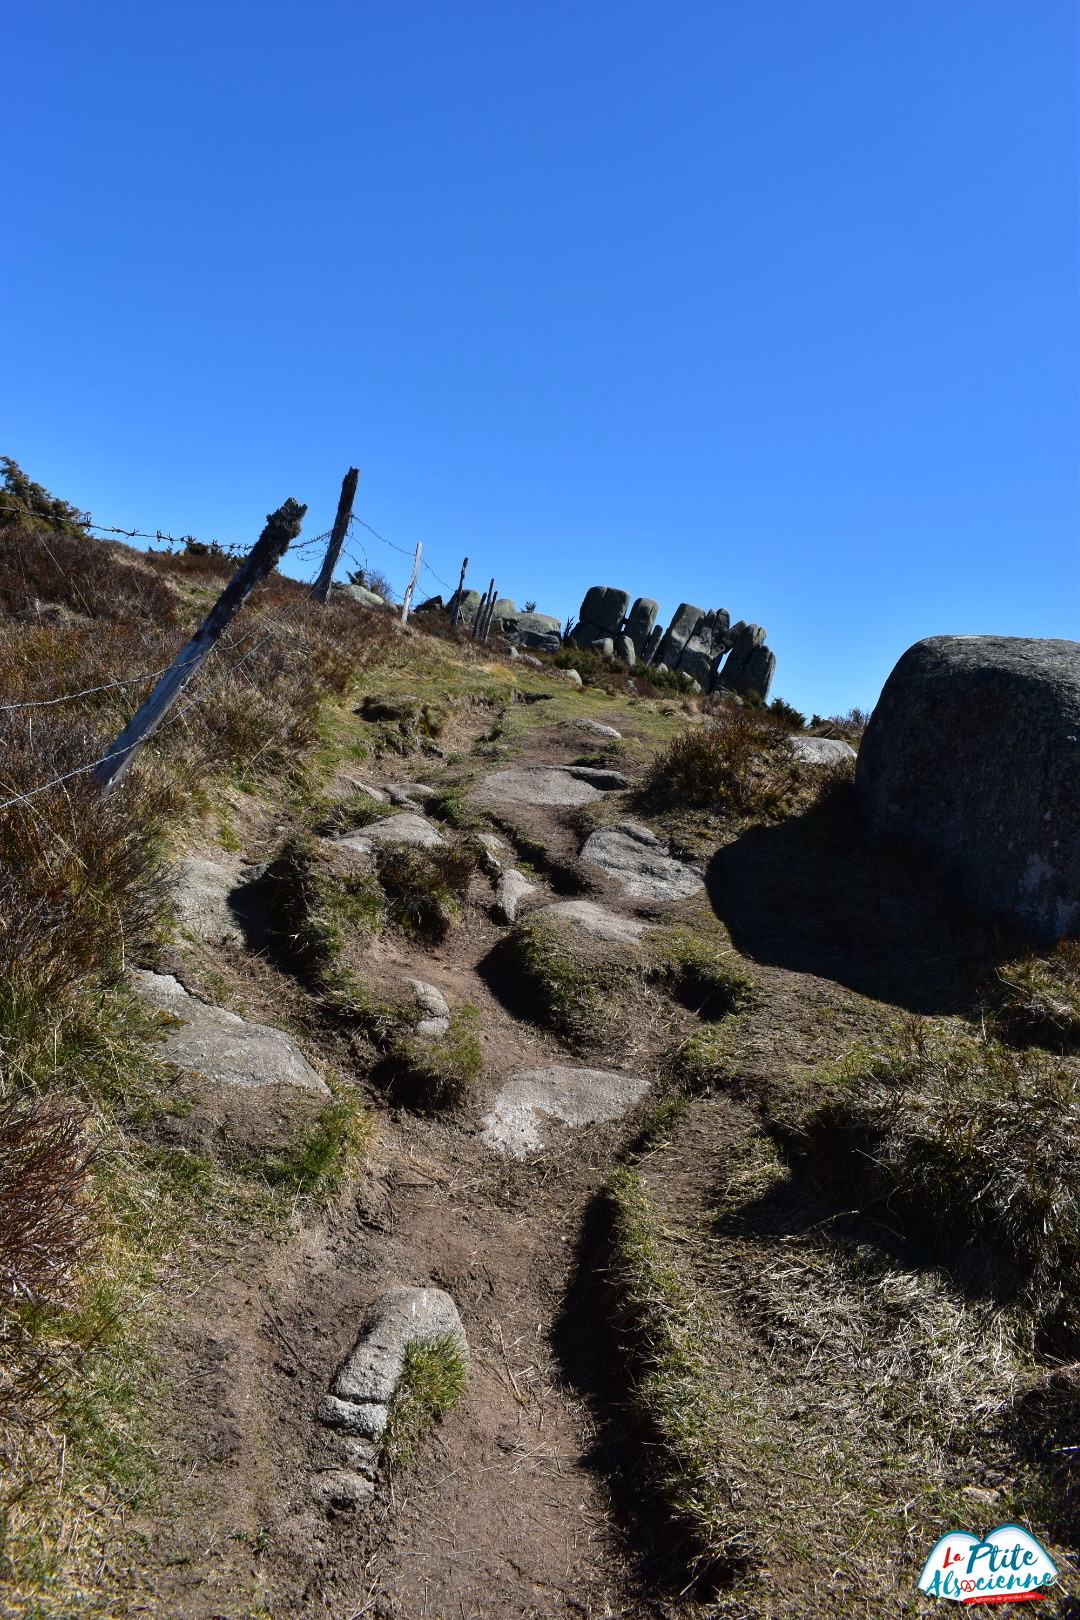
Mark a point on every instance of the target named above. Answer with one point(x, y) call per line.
point(821, 750)
point(222, 1045)
point(573, 1097)
point(512, 888)
point(552, 784)
point(432, 1006)
point(593, 920)
point(638, 859)
point(200, 893)
point(364, 1385)
point(409, 827)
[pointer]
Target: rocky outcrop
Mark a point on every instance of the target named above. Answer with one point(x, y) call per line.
point(219, 1044)
point(973, 753)
point(702, 645)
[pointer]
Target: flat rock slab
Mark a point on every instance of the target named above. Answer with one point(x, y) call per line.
point(594, 920)
point(200, 893)
point(408, 828)
point(552, 784)
point(222, 1045)
point(638, 859)
point(573, 1096)
point(364, 1385)
point(597, 728)
point(822, 750)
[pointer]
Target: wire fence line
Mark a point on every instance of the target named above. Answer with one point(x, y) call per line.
point(269, 625)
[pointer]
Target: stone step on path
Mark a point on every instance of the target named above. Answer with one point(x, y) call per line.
point(594, 921)
point(221, 1045)
point(552, 784)
point(574, 1097)
point(641, 862)
point(408, 827)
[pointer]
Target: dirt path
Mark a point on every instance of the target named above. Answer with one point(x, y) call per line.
point(501, 1513)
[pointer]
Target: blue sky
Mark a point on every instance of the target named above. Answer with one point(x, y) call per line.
point(764, 304)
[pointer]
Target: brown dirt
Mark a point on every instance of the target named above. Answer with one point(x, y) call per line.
point(502, 1512)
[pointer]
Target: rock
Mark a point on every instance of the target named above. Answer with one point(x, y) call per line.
point(705, 648)
point(744, 639)
point(504, 608)
point(409, 827)
point(597, 727)
point(638, 858)
point(360, 1395)
point(409, 795)
point(200, 892)
point(511, 890)
point(470, 601)
point(390, 706)
point(640, 622)
point(573, 1096)
point(652, 645)
point(431, 1003)
point(552, 784)
point(573, 677)
point(973, 754)
point(605, 606)
point(339, 1487)
point(585, 635)
point(548, 642)
point(220, 1044)
point(755, 677)
point(686, 620)
point(821, 750)
point(594, 921)
point(496, 853)
point(354, 784)
point(605, 647)
point(361, 594)
point(434, 604)
point(625, 650)
point(537, 624)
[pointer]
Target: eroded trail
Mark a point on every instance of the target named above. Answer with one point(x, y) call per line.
point(500, 1512)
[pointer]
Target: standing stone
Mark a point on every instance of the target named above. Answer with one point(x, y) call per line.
point(756, 675)
point(652, 645)
point(679, 631)
point(624, 649)
point(640, 622)
point(706, 647)
point(744, 638)
point(605, 605)
point(973, 753)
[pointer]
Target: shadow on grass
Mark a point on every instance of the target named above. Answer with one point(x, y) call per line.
point(813, 894)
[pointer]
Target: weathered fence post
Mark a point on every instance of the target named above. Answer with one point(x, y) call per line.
point(321, 588)
point(482, 610)
point(455, 611)
point(412, 583)
point(282, 526)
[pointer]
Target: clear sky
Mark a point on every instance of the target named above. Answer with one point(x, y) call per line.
point(763, 304)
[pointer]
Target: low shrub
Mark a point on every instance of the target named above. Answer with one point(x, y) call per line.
point(739, 763)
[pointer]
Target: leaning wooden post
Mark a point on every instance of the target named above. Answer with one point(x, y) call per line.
point(321, 588)
point(482, 610)
point(281, 527)
point(412, 583)
point(455, 611)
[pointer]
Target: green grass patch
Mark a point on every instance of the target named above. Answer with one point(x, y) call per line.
point(434, 1072)
point(432, 1381)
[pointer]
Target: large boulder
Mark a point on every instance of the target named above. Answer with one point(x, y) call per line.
point(538, 630)
point(755, 677)
point(745, 639)
point(973, 754)
point(640, 622)
point(705, 648)
point(686, 620)
point(605, 606)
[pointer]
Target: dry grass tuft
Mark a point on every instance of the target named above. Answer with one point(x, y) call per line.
point(739, 763)
point(971, 1147)
point(1036, 1001)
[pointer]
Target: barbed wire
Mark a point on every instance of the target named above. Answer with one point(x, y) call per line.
point(87, 691)
point(92, 765)
point(402, 549)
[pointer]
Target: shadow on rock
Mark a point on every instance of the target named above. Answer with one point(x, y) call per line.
point(814, 895)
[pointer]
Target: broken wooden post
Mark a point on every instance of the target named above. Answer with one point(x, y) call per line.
point(482, 609)
point(282, 526)
point(455, 609)
point(321, 588)
point(412, 583)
